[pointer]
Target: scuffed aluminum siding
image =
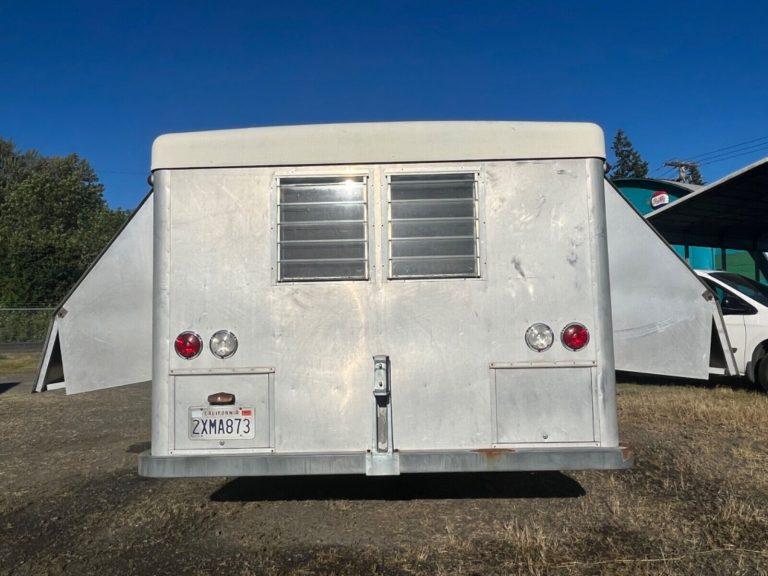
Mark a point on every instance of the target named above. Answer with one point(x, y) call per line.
point(105, 327)
point(538, 251)
point(661, 322)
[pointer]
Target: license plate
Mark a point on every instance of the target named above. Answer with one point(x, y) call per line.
point(221, 423)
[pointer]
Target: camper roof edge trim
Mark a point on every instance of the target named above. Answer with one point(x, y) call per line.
point(378, 142)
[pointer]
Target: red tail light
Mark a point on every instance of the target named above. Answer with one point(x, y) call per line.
point(188, 345)
point(575, 336)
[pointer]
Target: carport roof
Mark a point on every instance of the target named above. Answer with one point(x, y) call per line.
point(729, 213)
point(654, 184)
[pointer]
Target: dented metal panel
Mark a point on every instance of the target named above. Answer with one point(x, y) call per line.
point(543, 258)
point(560, 404)
point(662, 320)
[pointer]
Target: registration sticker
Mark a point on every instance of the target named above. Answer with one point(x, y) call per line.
point(221, 423)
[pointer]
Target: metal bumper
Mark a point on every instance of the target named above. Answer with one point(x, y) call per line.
point(406, 462)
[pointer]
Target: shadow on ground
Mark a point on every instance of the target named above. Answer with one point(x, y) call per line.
point(5, 386)
point(406, 487)
point(138, 448)
point(715, 381)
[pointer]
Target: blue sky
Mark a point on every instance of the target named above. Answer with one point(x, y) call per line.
point(104, 79)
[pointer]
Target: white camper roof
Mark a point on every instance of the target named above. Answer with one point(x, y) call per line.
point(378, 142)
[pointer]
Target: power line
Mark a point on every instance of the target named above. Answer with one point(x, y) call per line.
point(720, 154)
point(738, 151)
point(664, 171)
point(735, 156)
point(738, 145)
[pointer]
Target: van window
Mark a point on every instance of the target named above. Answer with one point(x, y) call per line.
point(745, 285)
point(322, 231)
point(433, 226)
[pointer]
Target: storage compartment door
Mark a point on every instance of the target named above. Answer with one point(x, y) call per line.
point(252, 393)
point(547, 404)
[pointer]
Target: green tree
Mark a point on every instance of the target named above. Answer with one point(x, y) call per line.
point(14, 165)
point(628, 161)
point(53, 222)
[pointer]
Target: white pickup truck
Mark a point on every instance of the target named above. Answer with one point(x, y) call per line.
point(744, 304)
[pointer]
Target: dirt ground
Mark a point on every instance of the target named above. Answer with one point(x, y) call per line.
point(71, 502)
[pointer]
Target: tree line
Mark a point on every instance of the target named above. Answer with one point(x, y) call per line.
point(629, 163)
point(54, 221)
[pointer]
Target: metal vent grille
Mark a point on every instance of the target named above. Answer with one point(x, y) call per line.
point(322, 229)
point(433, 226)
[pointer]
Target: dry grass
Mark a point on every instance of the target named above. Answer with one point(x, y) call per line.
point(18, 363)
point(696, 502)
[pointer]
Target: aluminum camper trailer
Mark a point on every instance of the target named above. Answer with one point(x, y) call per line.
point(381, 299)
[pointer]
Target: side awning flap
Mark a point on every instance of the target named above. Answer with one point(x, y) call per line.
point(662, 316)
point(101, 336)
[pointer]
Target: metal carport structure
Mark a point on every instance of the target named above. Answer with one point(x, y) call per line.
point(729, 213)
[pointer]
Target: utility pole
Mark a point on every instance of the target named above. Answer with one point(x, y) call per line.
point(683, 169)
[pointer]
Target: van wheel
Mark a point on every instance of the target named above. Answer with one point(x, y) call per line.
point(762, 373)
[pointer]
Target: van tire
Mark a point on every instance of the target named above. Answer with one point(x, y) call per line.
point(761, 373)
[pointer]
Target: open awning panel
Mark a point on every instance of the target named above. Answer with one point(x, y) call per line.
point(101, 336)
point(662, 319)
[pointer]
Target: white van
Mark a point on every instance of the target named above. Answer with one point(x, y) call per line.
point(744, 305)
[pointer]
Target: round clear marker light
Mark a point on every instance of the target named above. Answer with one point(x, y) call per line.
point(539, 337)
point(223, 344)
